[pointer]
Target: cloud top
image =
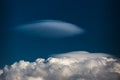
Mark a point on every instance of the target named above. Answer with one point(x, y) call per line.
point(68, 66)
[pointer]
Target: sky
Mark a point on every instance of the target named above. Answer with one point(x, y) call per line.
point(98, 18)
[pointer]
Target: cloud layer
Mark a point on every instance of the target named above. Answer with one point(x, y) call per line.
point(51, 29)
point(68, 66)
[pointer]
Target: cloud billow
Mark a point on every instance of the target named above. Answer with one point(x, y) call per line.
point(68, 66)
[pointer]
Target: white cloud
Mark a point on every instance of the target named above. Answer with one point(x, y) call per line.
point(51, 29)
point(68, 66)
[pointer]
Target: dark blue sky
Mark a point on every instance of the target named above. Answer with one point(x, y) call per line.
point(99, 19)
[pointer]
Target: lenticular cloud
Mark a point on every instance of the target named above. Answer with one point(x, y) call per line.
point(69, 66)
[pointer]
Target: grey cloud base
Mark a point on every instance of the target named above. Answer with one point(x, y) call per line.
point(69, 66)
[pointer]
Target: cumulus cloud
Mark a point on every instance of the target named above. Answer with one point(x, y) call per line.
point(68, 66)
